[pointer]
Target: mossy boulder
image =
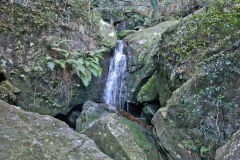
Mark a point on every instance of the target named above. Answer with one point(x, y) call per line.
point(149, 91)
point(121, 139)
point(205, 108)
point(160, 11)
point(143, 46)
point(125, 33)
point(169, 140)
point(143, 7)
point(197, 87)
point(231, 150)
point(91, 112)
point(26, 135)
point(108, 33)
point(29, 30)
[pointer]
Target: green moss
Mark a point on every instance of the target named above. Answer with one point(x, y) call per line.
point(201, 30)
point(125, 33)
point(22, 18)
point(149, 91)
point(138, 135)
point(8, 91)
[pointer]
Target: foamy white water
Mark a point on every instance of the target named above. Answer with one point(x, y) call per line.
point(116, 90)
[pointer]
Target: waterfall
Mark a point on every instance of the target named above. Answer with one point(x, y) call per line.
point(116, 90)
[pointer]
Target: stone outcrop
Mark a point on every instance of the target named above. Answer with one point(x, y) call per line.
point(142, 45)
point(26, 135)
point(231, 150)
point(122, 139)
point(200, 96)
point(28, 33)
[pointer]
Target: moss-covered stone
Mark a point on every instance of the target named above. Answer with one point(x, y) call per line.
point(195, 108)
point(143, 46)
point(149, 91)
point(91, 112)
point(122, 139)
point(108, 34)
point(198, 81)
point(26, 135)
point(143, 138)
point(30, 28)
point(231, 150)
point(8, 91)
point(125, 33)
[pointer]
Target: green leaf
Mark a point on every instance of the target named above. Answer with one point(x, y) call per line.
point(97, 68)
point(79, 61)
point(61, 62)
point(71, 61)
point(63, 51)
point(85, 80)
point(80, 68)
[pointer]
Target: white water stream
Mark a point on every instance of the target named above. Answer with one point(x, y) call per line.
point(116, 90)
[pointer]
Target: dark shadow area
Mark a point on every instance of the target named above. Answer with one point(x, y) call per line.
point(71, 117)
point(134, 109)
point(2, 77)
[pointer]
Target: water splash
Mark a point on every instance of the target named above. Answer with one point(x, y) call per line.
point(116, 90)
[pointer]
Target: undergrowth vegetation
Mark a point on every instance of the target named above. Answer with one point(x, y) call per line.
point(83, 64)
point(31, 16)
point(221, 19)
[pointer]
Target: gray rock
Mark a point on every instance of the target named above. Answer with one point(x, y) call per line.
point(143, 46)
point(26, 135)
point(231, 150)
point(49, 90)
point(91, 112)
point(115, 139)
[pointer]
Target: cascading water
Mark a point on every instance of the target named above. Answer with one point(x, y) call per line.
point(116, 90)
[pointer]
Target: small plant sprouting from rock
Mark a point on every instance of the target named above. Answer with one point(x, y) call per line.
point(83, 64)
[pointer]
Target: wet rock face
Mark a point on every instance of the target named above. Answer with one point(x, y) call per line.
point(231, 150)
point(26, 135)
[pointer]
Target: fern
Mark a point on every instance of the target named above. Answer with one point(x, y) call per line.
point(83, 64)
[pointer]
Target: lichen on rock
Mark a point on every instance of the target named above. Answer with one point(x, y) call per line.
point(26, 135)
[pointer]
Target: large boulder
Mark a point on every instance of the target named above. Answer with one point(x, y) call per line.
point(91, 112)
point(108, 33)
point(28, 33)
point(125, 33)
point(26, 135)
point(170, 140)
point(231, 150)
point(203, 113)
point(143, 46)
point(122, 139)
point(201, 109)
